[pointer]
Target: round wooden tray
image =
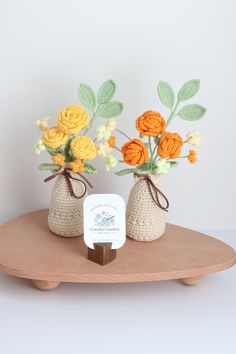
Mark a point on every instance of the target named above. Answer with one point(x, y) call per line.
point(29, 250)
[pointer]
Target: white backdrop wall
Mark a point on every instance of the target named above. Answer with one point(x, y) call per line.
point(49, 47)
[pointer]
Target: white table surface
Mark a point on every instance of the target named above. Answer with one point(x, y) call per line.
point(160, 317)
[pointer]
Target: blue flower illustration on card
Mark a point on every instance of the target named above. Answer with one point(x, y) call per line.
point(104, 219)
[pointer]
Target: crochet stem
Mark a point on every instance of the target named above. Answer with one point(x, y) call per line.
point(171, 116)
point(115, 147)
point(91, 122)
point(155, 158)
point(154, 150)
point(150, 147)
point(122, 133)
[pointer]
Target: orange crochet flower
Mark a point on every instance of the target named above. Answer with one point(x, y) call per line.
point(150, 123)
point(77, 166)
point(58, 159)
point(192, 156)
point(112, 141)
point(170, 145)
point(135, 152)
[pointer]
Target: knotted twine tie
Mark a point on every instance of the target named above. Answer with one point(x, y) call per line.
point(154, 191)
point(68, 177)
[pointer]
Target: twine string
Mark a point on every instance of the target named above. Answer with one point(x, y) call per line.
point(68, 178)
point(155, 192)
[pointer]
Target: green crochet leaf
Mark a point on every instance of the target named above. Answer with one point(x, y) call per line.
point(106, 92)
point(145, 168)
point(68, 156)
point(111, 109)
point(166, 94)
point(143, 171)
point(188, 90)
point(125, 172)
point(173, 163)
point(49, 166)
point(89, 169)
point(87, 97)
point(192, 112)
point(54, 152)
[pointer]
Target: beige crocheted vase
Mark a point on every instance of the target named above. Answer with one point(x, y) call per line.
point(145, 221)
point(66, 212)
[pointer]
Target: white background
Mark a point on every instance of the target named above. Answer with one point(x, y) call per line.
point(49, 47)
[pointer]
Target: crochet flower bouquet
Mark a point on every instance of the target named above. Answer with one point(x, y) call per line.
point(150, 156)
point(72, 150)
point(153, 154)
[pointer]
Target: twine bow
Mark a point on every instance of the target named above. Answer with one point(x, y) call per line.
point(68, 177)
point(154, 191)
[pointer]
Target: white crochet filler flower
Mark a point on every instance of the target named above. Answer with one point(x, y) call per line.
point(111, 162)
point(103, 132)
point(104, 149)
point(111, 125)
point(42, 123)
point(39, 146)
point(162, 166)
point(194, 138)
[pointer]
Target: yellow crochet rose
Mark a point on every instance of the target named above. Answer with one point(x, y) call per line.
point(84, 148)
point(72, 119)
point(54, 137)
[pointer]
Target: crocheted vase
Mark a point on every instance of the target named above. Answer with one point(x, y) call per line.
point(145, 221)
point(66, 212)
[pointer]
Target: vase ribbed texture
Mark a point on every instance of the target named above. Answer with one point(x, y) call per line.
point(66, 212)
point(145, 221)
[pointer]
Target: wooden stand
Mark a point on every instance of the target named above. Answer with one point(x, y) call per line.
point(45, 285)
point(29, 250)
point(102, 253)
point(192, 280)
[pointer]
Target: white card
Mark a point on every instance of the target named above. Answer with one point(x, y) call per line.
point(104, 220)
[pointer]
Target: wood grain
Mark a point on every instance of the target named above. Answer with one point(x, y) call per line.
point(192, 280)
point(45, 284)
point(102, 253)
point(29, 250)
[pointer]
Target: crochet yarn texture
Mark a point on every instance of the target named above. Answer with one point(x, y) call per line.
point(145, 221)
point(66, 212)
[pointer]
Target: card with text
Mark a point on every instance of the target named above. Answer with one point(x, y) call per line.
point(104, 220)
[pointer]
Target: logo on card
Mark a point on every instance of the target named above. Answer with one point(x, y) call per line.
point(104, 219)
